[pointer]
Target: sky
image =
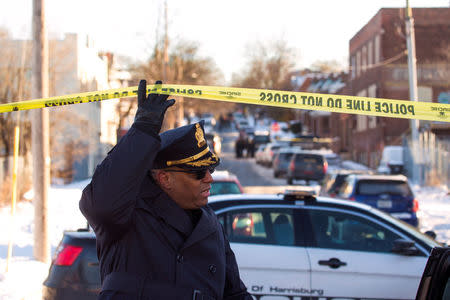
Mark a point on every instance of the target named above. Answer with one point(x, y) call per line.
point(223, 30)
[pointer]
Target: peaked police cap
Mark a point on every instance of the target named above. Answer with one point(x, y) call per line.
point(185, 147)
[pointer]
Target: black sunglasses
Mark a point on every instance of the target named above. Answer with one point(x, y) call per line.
point(199, 174)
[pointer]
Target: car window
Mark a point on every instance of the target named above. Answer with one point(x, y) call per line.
point(327, 182)
point(337, 183)
point(225, 187)
point(262, 138)
point(377, 187)
point(344, 231)
point(285, 156)
point(347, 187)
point(260, 226)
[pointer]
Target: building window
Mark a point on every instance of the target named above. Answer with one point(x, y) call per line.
point(370, 54)
point(424, 94)
point(372, 93)
point(353, 63)
point(377, 49)
point(358, 63)
point(361, 123)
point(364, 59)
point(361, 120)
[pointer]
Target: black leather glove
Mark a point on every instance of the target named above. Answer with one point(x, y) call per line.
point(150, 113)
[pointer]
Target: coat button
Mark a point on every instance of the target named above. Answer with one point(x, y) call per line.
point(180, 258)
point(212, 269)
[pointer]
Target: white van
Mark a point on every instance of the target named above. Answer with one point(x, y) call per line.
point(391, 160)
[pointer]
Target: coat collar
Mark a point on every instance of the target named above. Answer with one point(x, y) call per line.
point(165, 208)
point(206, 225)
point(158, 202)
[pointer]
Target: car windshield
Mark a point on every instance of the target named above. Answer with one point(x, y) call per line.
point(377, 187)
point(285, 156)
point(334, 160)
point(224, 187)
point(409, 228)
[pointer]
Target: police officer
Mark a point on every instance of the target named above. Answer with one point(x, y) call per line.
point(156, 237)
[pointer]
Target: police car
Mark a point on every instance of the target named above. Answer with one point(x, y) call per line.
point(288, 246)
point(297, 246)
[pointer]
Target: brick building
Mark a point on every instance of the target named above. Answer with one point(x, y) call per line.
point(322, 123)
point(378, 68)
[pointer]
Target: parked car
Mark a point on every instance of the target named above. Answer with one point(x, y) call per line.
point(74, 273)
point(259, 153)
point(391, 160)
point(282, 160)
point(214, 142)
point(261, 138)
point(390, 193)
point(307, 166)
point(269, 153)
point(324, 248)
point(225, 182)
point(435, 282)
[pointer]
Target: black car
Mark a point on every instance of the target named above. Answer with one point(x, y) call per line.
point(307, 166)
point(74, 273)
point(435, 282)
point(281, 161)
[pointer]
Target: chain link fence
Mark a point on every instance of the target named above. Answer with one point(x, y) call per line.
point(429, 162)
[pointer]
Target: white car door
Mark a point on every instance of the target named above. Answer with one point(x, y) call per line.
point(351, 258)
point(271, 263)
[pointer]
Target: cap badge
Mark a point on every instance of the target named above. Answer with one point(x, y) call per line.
point(199, 136)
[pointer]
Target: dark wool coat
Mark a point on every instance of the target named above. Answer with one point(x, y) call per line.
point(147, 245)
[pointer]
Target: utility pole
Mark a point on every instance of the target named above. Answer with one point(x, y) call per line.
point(169, 120)
point(40, 135)
point(166, 45)
point(412, 72)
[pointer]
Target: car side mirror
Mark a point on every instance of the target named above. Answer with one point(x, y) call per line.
point(431, 234)
point(405, 247)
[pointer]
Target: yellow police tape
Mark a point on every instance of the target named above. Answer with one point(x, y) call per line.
point(299, 100)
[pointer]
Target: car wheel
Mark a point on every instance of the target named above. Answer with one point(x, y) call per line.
point(290, 181)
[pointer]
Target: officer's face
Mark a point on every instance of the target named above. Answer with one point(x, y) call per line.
point(188, 191)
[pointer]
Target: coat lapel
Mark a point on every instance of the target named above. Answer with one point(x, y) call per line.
point(164, 208)
point(206, 226)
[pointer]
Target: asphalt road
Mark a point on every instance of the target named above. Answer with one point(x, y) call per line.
point(248, 172)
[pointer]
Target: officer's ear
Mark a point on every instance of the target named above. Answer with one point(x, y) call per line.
point(162, 178)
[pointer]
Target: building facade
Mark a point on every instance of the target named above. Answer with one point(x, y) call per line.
point(379, 68)
point(81, 134)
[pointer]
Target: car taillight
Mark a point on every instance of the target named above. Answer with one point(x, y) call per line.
point(352, 199)
point(415, 206)
point(66, 255)
point(325, 167)
point(292, 166)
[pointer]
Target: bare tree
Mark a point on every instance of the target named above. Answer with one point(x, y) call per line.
point(185, 67)
point(268, 67)
point(14, 86)
point(327, 66)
